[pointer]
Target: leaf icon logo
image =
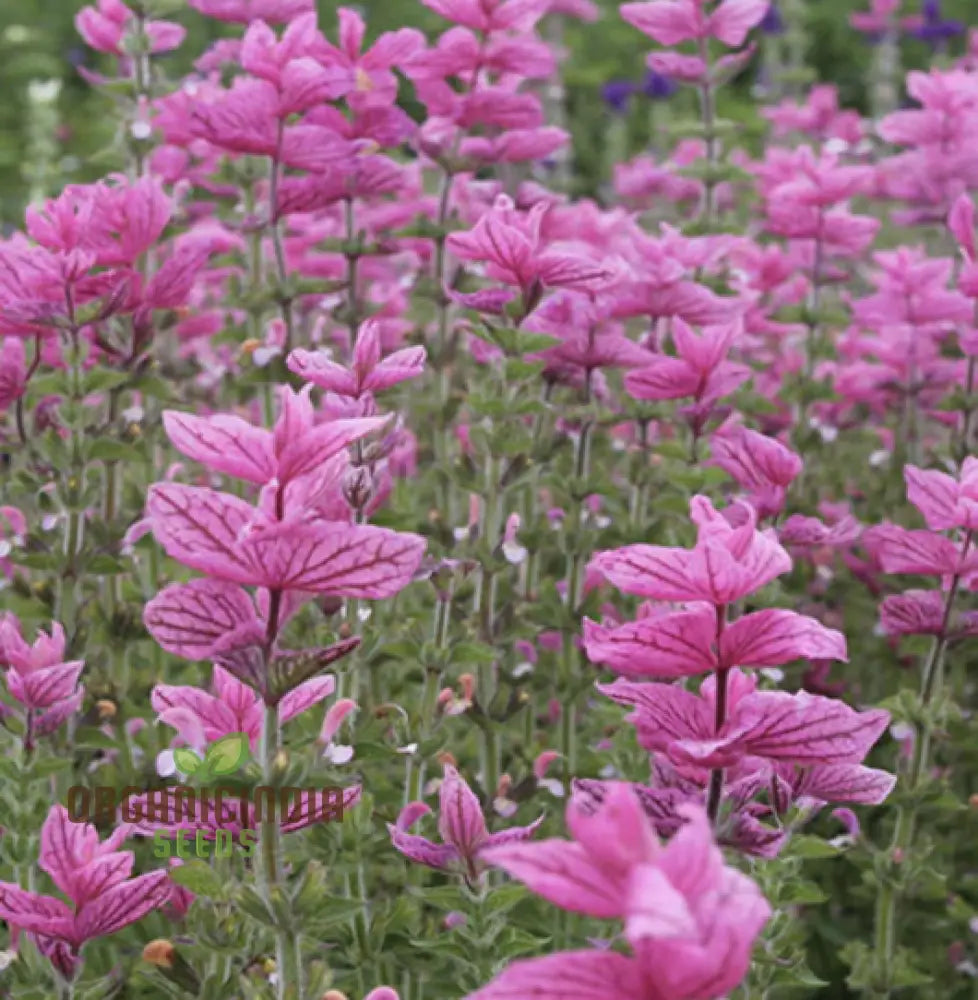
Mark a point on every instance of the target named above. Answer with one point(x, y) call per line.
point(187, 761)
point(226, 755)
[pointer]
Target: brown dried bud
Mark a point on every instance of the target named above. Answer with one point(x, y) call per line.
point(107, 709)
point(160, 952)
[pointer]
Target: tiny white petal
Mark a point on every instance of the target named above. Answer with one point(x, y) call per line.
point(339, 754)
point(165, 764)
point(552, 785)
point(514, 553)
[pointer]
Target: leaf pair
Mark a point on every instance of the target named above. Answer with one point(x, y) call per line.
point(223, 756)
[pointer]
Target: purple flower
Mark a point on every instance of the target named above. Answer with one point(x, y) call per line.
point(773, 22)
point(932, 28)
point(657, 86)
point(617, 93)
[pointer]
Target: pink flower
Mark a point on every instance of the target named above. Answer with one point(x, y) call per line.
point(201, 718)
point(944, 501)
point(114, 223)
point(701, 369)
point(510, 243)
point(246, 11)
point(210, 619)
point(462, 826)
point(683, 643)
point(106, 26)
point(764, 467)
point(296, 447)
point(671, 22)
point(726, 564)
point(370, 372)
point(96, 878)
point(800, 728)
point(13, 371)
point(489, 16)
point(689, 920)
point(371, 80)
point(38, 677)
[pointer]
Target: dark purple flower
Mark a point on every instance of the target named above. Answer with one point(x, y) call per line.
point(773, 22)
point(657, 86)
point(617, 93)
point(933, 28)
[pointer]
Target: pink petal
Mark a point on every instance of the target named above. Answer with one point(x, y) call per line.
point(187, 619)
point(672, 645)
point(568, 975)
point(775, 636)
point(564, 874)
point(732, 21)
point(348, 560)
point(201, 528)
point(669, 22)
point(460, 819)
point(422, 850)
point(224, 443)
point(122, 905)
point(306, 695)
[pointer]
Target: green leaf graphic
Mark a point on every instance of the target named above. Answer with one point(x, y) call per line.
point(187, 761)
point(227, 754)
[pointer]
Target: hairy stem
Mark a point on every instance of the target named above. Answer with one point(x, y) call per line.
point(903, 837)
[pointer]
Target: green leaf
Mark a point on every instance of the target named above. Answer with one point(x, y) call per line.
point(807, 846)
point(188, 761)
point(199, 878)
point(228, 753)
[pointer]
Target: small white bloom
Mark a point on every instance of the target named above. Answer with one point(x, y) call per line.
point(879, 457)
point(43, 91)
point(552, 785)
point(141, 130)
point(522, 669)
point(901, 730)
point(514, 553)
point(166, 766)
point(262, 355)
point(337, 754)
point(409, 749)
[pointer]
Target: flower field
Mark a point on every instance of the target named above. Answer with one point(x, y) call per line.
point(483, 518)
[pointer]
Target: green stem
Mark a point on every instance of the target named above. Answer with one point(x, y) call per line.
point(708, 113)
point(281, 268)
point(575, 562)
point(352, 268)
point(903, 836)
point(286, 944)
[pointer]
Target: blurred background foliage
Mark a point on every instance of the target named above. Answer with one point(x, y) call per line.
point(55, 129)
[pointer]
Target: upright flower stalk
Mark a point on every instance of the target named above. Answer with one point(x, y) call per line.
point(947, 505)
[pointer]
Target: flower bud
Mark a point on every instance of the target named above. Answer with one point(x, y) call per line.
point(160, 952)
